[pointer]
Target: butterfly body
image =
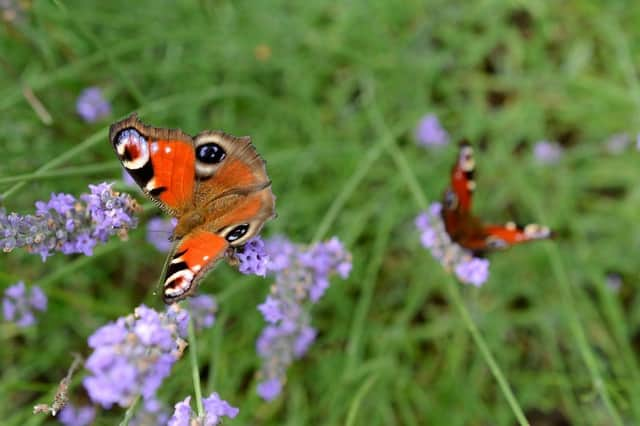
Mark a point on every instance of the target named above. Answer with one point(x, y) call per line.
point(468, 230)
point(214, 184)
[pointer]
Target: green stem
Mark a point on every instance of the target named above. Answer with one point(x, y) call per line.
point(130, 412)
point(414, 187)
point(347, 190)
point(357, 400)
point(195, 371)
point(70, 171)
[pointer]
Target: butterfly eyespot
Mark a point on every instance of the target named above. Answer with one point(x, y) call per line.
point(210, 153)
point(237, 232)
point(132, 148)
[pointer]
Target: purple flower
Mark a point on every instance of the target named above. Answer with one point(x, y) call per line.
point(270, 389)
point(19, 303)
point(270, 309)
point(474, 271)
point(70, 226)
point(91, 105)
point(430, 132)
point(547, 152)
point(281, 252)
point(77, 416)
point(159, 231)
point(302, 276)
point(215, 408)
point(202, 310)
point(434, 237)
point(638, 142)
point(253, 257)
point(617, 143)
point(134, 355)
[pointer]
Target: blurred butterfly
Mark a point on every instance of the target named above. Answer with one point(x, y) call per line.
point(214, 184)
point(468, 230)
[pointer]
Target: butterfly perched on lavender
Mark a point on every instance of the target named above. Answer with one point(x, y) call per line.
point(468, 230)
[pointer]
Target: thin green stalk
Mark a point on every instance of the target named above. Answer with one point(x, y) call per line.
point(347, 190)
point(195, 371)
point(60, 173)
point(130, 412)
point(74, 152)
point(414, 187)
point(357, 400)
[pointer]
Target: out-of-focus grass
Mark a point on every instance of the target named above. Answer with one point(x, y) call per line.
point(302, 80)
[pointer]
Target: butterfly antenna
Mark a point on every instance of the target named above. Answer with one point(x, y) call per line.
point(160, 283)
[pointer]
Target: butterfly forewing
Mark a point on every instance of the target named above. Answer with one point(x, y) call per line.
point(161, 161)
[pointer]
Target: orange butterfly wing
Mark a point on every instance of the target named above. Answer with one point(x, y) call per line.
point(194, 256)
point(161, 161)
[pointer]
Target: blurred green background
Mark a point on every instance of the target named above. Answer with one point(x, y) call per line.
point(331, 93)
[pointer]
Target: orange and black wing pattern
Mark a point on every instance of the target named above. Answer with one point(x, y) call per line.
point(161, 161)
point(468, 230)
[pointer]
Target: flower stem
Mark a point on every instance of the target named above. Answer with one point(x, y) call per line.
point(69, 171)
point(195, 371)
point(130, 412)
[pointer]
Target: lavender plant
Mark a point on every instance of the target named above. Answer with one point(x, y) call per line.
point(301, 278)
point(433, 236)
point(430, 133)
point(91, 105)
point(133, 355)
point(68, 225)
point(215, 408)
point(19, 304)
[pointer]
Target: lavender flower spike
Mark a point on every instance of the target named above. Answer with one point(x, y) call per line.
point(453, 257)
point(68, 225)
point(302, 276)
point(92, 106)
point(430, 132)
point(133, 355)
point(19, 304)
point(215, 408)
point(202, 310)
point(253, 257)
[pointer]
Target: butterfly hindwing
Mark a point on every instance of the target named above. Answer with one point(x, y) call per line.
point(161, 161)
point(194, 255)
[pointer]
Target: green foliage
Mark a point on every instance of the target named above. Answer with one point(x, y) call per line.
point(330, 93)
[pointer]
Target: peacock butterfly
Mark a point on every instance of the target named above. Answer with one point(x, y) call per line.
point(214, 184)
point(468, 230)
